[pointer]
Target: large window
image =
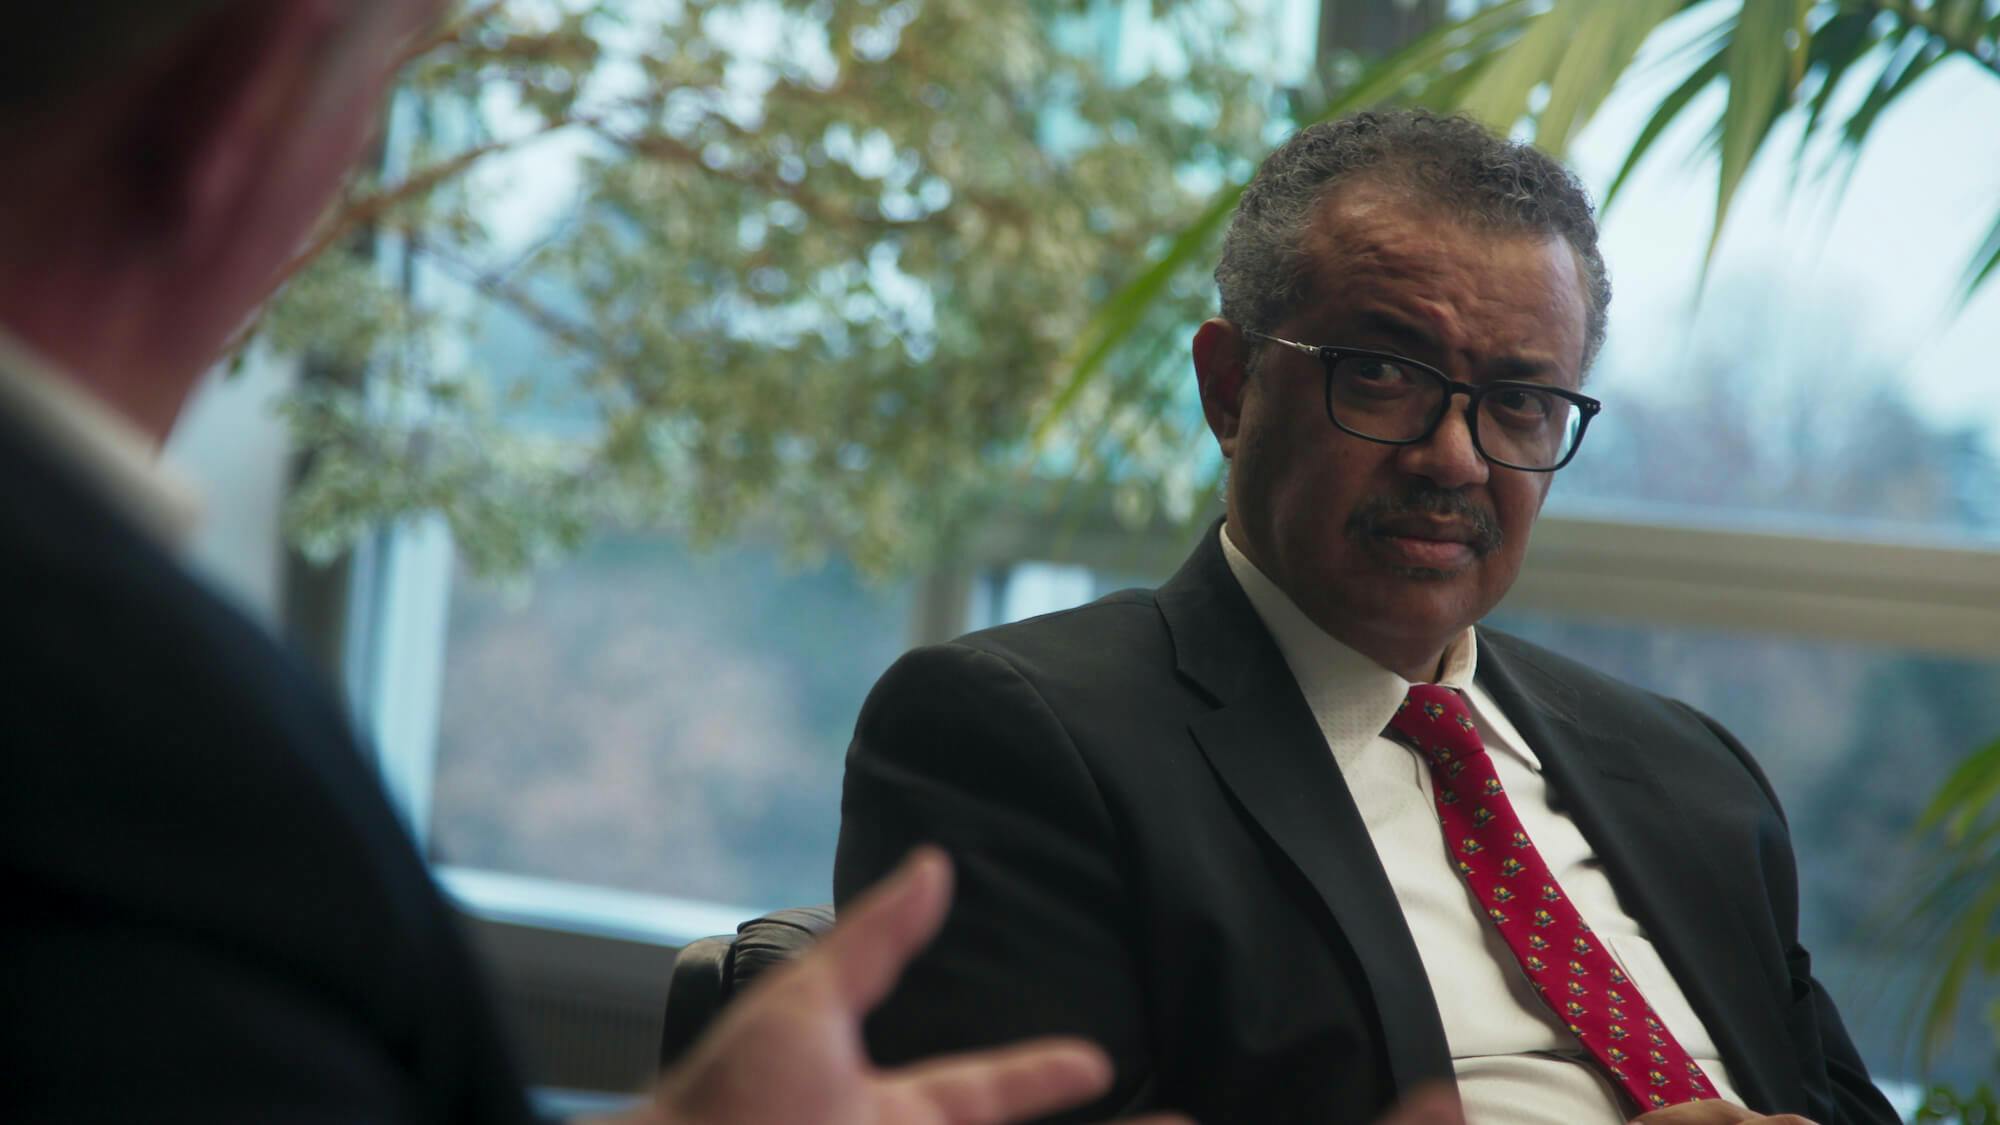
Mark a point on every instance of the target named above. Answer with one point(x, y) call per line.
point(1818, 373)
point(1854, 738)
point(1788, 514)
point(660, 722)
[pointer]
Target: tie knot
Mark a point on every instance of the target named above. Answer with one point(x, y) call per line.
point(1434, 719)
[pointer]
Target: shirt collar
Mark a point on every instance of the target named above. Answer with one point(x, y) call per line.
point(115, 456)
point(1352, 696)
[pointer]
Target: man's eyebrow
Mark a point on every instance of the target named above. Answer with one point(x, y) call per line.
point(1521, 367)
point(1406, 337)
point(1399, 332)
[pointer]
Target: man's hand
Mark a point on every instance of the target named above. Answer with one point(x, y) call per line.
point(791, 1050)
point(1432, 1105)
point(1712, 1112)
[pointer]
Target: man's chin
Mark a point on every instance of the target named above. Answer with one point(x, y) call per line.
point(1422, 573)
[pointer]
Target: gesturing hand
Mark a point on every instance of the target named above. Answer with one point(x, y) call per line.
point(791, 1049)
point(1432, 1105)
point(1712, 1112)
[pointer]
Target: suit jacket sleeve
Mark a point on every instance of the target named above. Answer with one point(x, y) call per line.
point(213, 914)
point(956, 747)
point(1836, 1080)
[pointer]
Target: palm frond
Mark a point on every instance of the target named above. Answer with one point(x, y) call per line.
point(1837, 45)
point(1601, 47)
point(1957, 903)
point(1763, 70)
point(1115, 322)
point(1772, 55)
point(1669, 109)
point(1984, 264)
point(1901, 72)
point(1970, 788)
point(1119, 318)
point(1500, 96)
point(1434, 55)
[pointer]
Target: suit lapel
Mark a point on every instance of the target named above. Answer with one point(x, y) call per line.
point(1663, 875)
point(1264, 744)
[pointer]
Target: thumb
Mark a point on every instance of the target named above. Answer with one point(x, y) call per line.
point(1433, 1104)
point(878, 935)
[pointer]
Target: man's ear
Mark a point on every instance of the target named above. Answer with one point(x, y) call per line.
point(1221, 368)
point(221, 106)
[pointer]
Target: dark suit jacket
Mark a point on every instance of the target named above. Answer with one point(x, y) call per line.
point(208, 910)
point(1156, 850)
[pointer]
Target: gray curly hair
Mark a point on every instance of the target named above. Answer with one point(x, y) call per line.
point(1449, 162)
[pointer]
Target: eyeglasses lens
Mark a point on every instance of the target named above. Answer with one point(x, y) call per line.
point(1389, 401)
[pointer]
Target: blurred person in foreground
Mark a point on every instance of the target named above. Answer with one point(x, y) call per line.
point(1294, 831)
point(211, 912)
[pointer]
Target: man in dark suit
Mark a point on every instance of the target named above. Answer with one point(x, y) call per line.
point(1291, 833)
point(208, 910)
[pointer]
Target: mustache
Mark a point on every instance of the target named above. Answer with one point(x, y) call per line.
point(1421, 498)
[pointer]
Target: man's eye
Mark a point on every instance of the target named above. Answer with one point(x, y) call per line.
point(1522, 404)
point(1379, 371)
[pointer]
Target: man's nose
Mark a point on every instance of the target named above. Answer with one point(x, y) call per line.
point(1447, 458)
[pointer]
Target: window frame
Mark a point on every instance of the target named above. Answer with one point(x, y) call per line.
point(1938, 597)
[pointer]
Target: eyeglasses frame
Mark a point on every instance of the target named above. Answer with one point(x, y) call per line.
point(1328, 355)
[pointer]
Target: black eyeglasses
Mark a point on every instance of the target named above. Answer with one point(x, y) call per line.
point(1386, 398)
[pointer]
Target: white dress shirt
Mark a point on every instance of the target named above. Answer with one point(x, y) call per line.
point(1515, 1061)
point(98, 442)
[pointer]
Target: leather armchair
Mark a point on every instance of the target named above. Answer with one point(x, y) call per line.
point(710, 972)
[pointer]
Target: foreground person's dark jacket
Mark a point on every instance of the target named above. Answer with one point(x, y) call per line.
point(208, 911)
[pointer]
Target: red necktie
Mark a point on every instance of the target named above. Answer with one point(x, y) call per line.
point(1567, 965)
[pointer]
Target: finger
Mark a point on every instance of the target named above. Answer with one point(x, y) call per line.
point(1008, 1084)
point(1707, 1111)
point(1435, 1104)
point(883, 929)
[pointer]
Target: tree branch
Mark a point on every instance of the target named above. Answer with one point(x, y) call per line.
point(450, 31)
point(369, 208)
point(577, 337)
point(661, 146)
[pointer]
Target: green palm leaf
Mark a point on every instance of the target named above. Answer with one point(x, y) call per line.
point(1985, 261)
point(1904, 67)
point(1600, 50)
point(1972, 786)
point(1116, 322)
point(1763, 70)
point(1958, 903)
point(1574, 52)
point(1664, 114)
point(1839, 43)
point(1772, 56)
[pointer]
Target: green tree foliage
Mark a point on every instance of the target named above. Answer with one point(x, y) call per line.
point(1957, 910)
point(823, 264)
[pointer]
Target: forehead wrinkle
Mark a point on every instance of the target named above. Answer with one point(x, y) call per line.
point(1451, 281)
point(1373, 267)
